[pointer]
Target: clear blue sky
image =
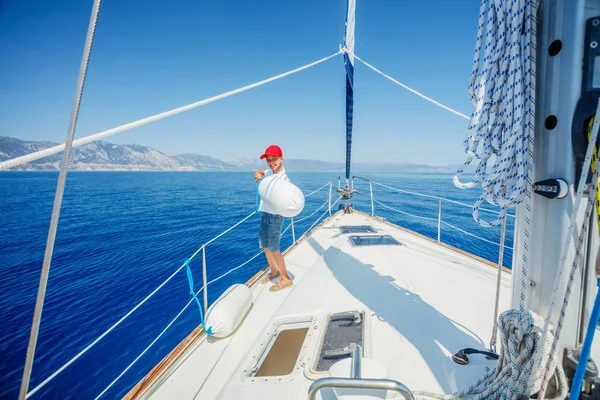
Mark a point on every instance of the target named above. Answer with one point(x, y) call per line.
point(150, 56)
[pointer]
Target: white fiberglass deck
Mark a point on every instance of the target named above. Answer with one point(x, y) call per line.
point(423, 302)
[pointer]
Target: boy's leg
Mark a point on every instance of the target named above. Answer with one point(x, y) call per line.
point(280, 265)
point(264, 242)
point(272, 262)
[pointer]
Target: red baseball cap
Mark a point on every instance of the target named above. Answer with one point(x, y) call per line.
point(272, 150)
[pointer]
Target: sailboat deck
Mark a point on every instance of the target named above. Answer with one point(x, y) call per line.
point(423, 301)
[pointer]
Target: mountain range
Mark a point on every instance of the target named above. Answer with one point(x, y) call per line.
point(105, 156)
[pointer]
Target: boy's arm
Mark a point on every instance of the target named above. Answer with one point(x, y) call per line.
point(259, 174)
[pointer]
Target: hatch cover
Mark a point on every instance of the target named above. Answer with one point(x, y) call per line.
point(356, 229)
point(373, 240)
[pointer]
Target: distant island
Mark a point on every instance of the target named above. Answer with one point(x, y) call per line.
point(105, 156)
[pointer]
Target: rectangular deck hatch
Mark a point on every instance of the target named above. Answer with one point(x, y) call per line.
point(356, 229)
point(372, 240)
point(283, 354)
point(341, 331)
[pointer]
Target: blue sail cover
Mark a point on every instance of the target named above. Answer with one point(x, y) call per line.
point(349, 63)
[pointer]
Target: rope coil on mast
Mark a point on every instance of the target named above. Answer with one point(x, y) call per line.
point(500, 137)
point(502, 90)
point(520, 334)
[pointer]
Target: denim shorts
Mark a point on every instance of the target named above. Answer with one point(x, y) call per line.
point(270, 231)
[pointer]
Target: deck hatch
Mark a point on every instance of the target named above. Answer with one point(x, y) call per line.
point(372, 240)
point(342, 330)
point(356, 229)
point(283, 352)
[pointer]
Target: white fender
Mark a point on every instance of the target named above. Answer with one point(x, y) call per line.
point(227, 312)
point(281, 195)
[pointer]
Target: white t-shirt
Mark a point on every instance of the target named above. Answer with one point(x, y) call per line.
point(263, 207)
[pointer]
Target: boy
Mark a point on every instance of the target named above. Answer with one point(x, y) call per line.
point(271, 223)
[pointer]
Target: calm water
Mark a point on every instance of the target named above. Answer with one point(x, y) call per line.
point(123, 233)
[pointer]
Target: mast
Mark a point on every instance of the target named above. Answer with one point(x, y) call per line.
point(348, 49)
point(563, 41)
point(349, 64)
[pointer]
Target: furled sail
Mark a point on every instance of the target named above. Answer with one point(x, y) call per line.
point(349, 63)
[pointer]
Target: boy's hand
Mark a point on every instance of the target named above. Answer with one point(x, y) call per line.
point(258, 175)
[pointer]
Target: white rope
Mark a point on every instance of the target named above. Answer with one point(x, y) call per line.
point(116, 324)
point(57, 149)
point(520, 338)
point(559, 280)
point(435, 220)
point(480, 209)
point(234, 269)
point(228, 230)
point(181, 312)
point(473, 235)
point(436, 198)
point(500, 136)
point(58, 197)
point(286, 229)
point(313, 213)
point(147, 348)
point(315, 191)
point(405, 213)
point(318, 219)
point(502, 90)
point(259, 253)
point(172, 322)
point(493, 339)
point(408, 88)
point(406, 191)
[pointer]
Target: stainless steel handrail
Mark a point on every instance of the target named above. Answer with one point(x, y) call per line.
point(356, 366)
point(353, 383)
point(356, 382)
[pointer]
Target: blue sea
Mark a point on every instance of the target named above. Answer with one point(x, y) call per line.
point(121, 234)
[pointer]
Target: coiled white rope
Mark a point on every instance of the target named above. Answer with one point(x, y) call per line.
point(500, 137)
point(502, 127)
point(521, 342)
point(501, 131)
point(88, 139)
point(502, 89)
